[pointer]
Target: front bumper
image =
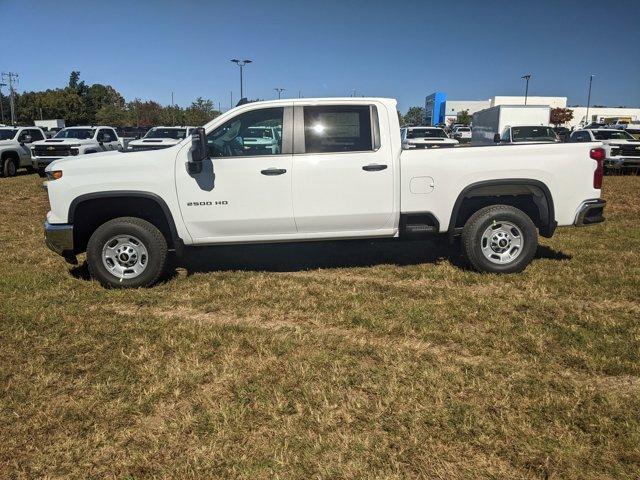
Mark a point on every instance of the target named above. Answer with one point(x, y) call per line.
point(42, 162)
point(59, 238)
point(590, 212)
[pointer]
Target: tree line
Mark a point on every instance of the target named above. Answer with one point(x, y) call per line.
point(97, 104)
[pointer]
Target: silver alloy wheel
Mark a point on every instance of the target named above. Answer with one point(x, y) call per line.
point(502, 242)
point(125, 256)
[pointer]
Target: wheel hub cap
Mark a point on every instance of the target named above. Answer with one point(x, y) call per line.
point(124, 256)
point(502, 242)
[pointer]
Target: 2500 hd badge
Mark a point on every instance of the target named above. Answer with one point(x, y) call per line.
point(206, 204)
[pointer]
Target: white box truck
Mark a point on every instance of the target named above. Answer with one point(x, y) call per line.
point(491, 121)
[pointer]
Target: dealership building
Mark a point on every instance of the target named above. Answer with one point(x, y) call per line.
point(440, 110)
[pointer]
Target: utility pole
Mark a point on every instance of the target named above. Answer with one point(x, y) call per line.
point(12, 78)
point(241, 64)
point(231, 101)
point(526, 88)
point(299, 93)
point(173, 112)
point(2, 103)
point(589, 99)
point(279, 90)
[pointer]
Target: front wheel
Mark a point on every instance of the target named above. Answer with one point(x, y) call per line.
point(499, 239)
point(9, 167)
point(127, 252)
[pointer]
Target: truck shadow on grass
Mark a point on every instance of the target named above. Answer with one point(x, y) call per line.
point(291, 257)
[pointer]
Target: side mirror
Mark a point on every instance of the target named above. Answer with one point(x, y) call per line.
point(27, 139)
point(496, 138)
point(199, 151)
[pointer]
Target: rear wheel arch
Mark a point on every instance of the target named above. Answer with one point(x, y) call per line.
point(87, 212)
point(529, 195)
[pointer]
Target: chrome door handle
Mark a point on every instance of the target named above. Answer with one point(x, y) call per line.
point(273, 171)
point(374, 167)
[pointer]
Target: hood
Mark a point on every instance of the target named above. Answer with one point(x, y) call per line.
point(154, 142)
point(89, 157)
point(620, 142)
point(63, 141)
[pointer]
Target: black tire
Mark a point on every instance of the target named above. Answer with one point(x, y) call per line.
point(41, 173)
point(494, 216)
point(150, 237)
point(9, 167)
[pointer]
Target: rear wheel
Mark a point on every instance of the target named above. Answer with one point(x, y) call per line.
point(9, 167)
point(499, 239)
point(127, 252)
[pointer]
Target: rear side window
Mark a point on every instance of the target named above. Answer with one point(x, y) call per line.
point(341, 128)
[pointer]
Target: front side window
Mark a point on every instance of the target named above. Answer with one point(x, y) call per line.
point(337, 129)
point(258, 132)
point(77, 133)
point(36, 135)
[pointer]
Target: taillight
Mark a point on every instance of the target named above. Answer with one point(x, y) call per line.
point(598, 155)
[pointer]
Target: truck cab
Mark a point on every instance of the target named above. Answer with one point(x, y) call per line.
point(15, 148)
point(73, 141)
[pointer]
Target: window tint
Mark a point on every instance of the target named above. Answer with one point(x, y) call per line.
point(506, 136)
point(258, 132)
point(114, 135)
point(337, 129)
point(36, 135)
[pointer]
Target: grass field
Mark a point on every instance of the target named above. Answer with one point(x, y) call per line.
point(342, 360)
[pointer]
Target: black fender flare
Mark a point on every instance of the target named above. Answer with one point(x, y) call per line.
point(547, 214)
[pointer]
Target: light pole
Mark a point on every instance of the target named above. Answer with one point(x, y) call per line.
point(589, 98)
point(279, 90)
point(526, 88)
point(241, 64)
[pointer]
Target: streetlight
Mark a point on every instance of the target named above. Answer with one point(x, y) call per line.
point(526, 88)
point(241, 64)
point(279, 90)
point(589, 98)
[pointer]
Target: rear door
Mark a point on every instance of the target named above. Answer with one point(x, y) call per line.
point(342, 173)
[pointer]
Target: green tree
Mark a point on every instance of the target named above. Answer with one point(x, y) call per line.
point(112, 115)
point(200, 112)
point(414, 116)
point(464, 118)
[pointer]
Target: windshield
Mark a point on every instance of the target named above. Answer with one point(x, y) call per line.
point(79, 133)
point(8, 133)
point(160, 132)
point(426, 133)
point(463, 129)
point(612, 135)
point(533, 134)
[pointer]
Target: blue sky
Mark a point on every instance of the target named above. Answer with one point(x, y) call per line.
point(402, 49)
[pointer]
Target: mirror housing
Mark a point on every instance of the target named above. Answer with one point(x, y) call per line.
point(496, 138)
point(27, 139)
point(198, 150)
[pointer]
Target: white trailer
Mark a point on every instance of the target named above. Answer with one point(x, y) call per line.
point(49, 124)
point(488, 122)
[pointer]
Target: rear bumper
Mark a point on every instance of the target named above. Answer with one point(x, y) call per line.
point(59, 238)
point(590, 212)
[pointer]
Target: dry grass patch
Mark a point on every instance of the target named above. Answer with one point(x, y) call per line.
point(339, 360)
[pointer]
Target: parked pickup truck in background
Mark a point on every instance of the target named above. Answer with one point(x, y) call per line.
point(621, 149)
point(15, 148)
point(425, 137)
point(339, 172)
point(160, 137)
point(73, 141)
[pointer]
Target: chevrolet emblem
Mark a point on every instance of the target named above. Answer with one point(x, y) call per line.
point(637, 148)
point(51, 148)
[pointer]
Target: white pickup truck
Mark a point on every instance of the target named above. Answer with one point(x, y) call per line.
point(15, 148)
point(73, 141)
point(339, 172)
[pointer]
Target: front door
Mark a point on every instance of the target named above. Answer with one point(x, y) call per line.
point(244, 191)
point(342, 176)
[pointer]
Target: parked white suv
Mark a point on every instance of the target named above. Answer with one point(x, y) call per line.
point(160, 137)
point(461, 133)
point(72, 141)
point(15, 148)
point(425, 137)
point(338, 172)
point(622, 149)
